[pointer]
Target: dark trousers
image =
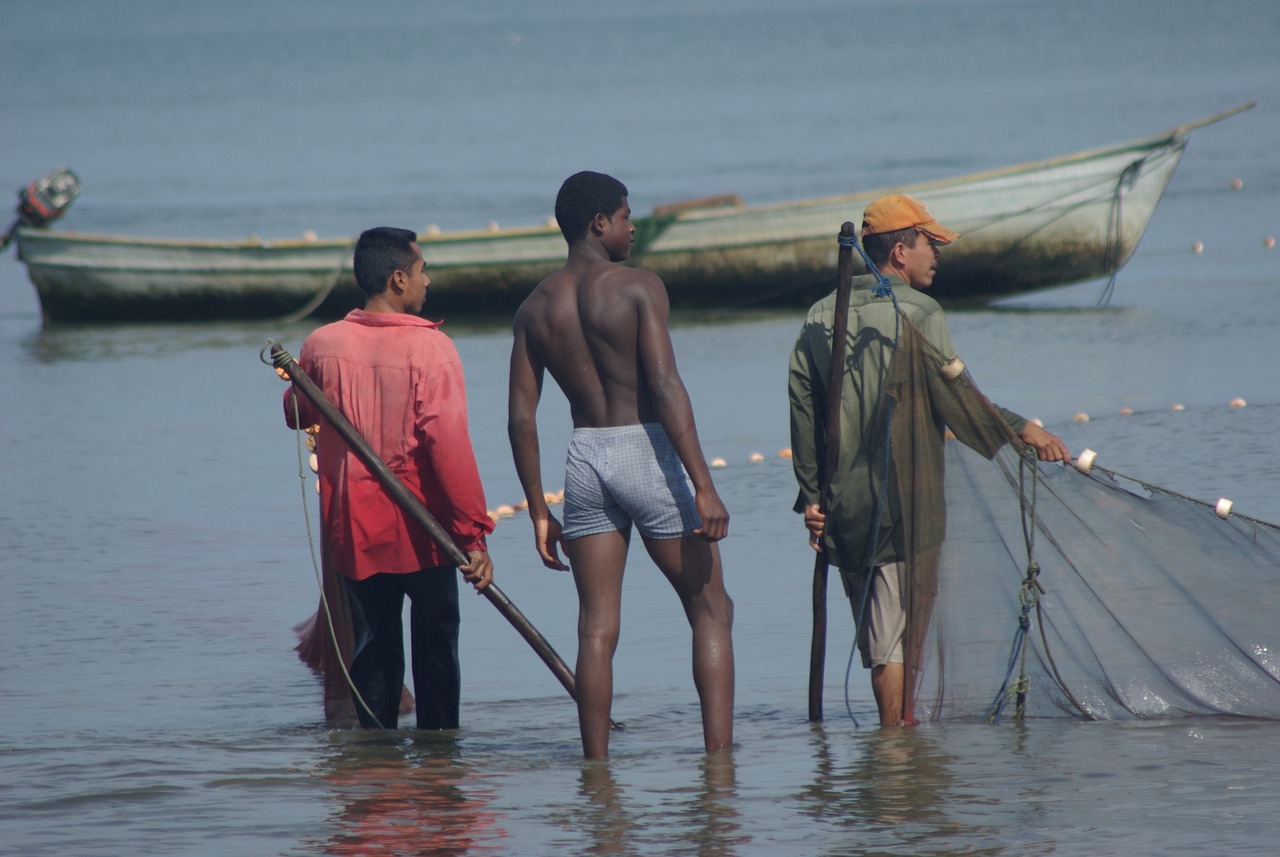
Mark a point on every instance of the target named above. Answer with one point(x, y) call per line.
point(377, 667)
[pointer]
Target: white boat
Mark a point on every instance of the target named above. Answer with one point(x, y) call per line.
point(1027, 227)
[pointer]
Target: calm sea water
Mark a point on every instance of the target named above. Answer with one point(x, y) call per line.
point(153, 535)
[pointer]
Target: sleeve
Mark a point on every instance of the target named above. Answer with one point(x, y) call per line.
point(1016, 422)
point(936, 331)
point(441, 417)
point(805, 395)
point(934, 327)
point(302, 414)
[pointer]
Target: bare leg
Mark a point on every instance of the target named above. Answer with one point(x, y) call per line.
point(693, 567)
point(597, 563)
point(888, 685)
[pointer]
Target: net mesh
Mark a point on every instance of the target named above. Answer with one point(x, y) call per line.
point(1152, 605)
point(326, 643)
point(1037, 590)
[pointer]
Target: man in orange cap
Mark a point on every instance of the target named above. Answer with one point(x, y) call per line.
point(862, 532)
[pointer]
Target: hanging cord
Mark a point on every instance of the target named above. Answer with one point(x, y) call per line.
point(1115, 226)
point(882, 289)
point(319, 297)
point(1114, 218)
point(1028, 596)
point(1029, 460)
point(315, 562)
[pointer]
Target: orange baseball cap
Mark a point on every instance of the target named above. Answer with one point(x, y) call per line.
point(899, 211)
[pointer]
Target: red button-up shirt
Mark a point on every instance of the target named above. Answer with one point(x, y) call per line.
point(399, 382)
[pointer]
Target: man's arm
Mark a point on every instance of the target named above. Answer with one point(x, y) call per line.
point(807, 418)
point(303, 416)
point(806, 439)
point(523, 394)
point(298, 410)
point(441, 417)
point(1048, 446)
point(671, 401)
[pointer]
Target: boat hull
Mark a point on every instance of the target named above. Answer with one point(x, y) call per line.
point(106, 278)
point(1028, 227)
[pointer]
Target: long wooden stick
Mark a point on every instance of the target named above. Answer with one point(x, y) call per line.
point(831, 436)
point(414, 508)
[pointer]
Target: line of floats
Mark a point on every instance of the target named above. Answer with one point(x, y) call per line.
point(1084, 463)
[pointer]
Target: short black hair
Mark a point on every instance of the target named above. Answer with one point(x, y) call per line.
point(584, 195)
point(380, 252)
point(878, 246)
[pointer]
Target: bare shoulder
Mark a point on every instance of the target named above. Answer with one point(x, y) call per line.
point(641, 278)
point(636, 284)
point(535, 304)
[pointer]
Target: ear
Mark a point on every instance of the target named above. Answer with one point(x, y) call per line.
point(898, 255)
point(599, 223)
point(395, 282)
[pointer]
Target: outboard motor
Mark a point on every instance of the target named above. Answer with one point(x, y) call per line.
point(44, 201)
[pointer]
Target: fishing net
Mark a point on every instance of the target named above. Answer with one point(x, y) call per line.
point(1146, 604)
point(326, 641)
point(1035, 589)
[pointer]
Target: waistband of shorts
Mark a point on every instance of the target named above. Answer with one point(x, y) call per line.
point(634, 428)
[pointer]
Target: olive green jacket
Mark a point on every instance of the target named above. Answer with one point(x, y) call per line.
point(856, 484)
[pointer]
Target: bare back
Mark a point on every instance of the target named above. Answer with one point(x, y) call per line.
point(600, 329)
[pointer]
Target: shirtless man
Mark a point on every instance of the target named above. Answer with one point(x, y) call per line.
point(600, 329)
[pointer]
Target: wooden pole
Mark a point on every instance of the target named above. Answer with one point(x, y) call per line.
point(831, 437)
point(417, 512)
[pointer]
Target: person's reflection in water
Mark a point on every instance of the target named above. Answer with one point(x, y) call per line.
point(605, 820)
point(899, 778)
point(707, 825)
point(415, 797)
point(902, 778)
point(716, 807)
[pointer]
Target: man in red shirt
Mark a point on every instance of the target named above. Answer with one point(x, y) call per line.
point(399, 381)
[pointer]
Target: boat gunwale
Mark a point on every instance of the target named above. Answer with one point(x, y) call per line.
point(1173, 136)
point(1165, 139)
point(291, 243)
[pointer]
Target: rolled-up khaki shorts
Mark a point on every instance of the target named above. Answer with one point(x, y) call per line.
point(880, 635)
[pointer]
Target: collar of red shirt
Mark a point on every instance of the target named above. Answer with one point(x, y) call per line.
point(389, 319)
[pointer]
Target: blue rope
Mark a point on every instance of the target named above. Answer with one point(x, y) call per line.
point(882, 288)
point(1028, 596)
